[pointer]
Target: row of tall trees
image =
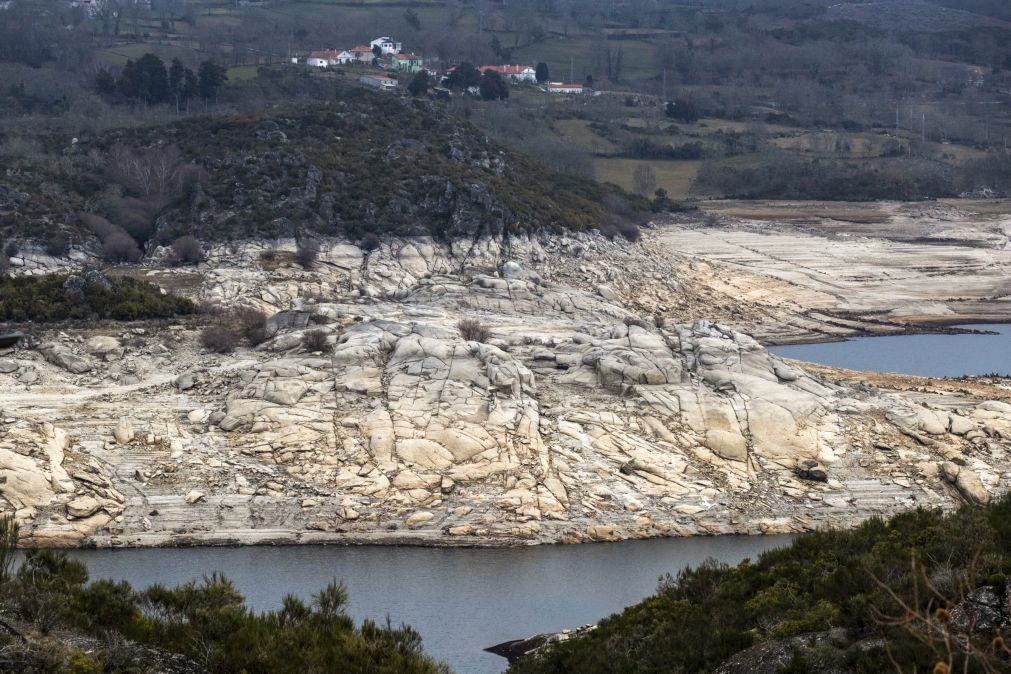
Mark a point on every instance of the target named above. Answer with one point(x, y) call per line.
point(148, 80)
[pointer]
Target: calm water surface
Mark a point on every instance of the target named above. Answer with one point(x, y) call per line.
point(926, 355)
point(460, 600)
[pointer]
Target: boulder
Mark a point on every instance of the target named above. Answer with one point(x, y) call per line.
point(84, 506)
point(124, 432)
point(67, 360)
point(419, 518)
point(185, 381)
point(960, 425)
point(982, 610)
point(8, 366)
point(512, 270)
point(102, 345)
point(809, 469)
point(286, 392)
point(195, 496)
point(965, 481)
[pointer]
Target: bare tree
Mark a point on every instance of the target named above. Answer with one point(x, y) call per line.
point(644, 180)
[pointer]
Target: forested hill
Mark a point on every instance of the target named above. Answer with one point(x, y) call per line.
point(362, 163)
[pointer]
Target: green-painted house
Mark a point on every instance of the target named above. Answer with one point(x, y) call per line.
point(408, 63)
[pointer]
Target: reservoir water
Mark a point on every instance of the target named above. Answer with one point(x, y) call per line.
point(926, 355)
point(461, 600)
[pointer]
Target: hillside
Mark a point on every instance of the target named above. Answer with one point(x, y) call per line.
point(365, 163)
point(908, 594)
point(914, 16)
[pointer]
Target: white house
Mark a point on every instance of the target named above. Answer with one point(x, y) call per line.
point(362, 54)
point(378, 82)
point(387, 45)
point(515, 73)
point(564, 88)
point(323, 58)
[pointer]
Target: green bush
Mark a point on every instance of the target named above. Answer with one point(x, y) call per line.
point(91, 296)
point(829, 579)
point(207, 621)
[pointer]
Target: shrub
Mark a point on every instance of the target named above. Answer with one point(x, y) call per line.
point(472, 330)
point(120, 248)
point(251, 325)
point(91, 295)
point(12, 248)
point(57, 246)
point(269, 255)
point(187, 250)
point(369, 242)
point(219, 338)
point(5, 264)
point(306, 253)
point(638, 322)
point(315, 340)
point(612, 225)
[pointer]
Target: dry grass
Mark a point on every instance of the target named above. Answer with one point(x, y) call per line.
point(578, 132)
point(674, 176)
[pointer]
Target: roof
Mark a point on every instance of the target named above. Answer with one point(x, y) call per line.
point(324, 54)
point(508, 69)
point(361, 48)
point(406, 57)
point(564, 85)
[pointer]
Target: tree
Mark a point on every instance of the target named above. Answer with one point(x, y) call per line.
point(464, 76)
point(182, 83)
point(542, 72)
point(589, 82)
point(191, 86)
point(493, 86)
point(411, 17)
point(105, 82)
point(210, 77)
point(419, 83)
point(682, 110)
point(644, 180)
point(145, 79)
point(377, 51)
point(306, 253)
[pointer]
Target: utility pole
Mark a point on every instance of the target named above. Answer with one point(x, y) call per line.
point(923, 127)
point(572, 76)
point(665, 85)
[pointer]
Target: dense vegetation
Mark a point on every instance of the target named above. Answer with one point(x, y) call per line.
point(363, 163)
point(48, 605)
point(905, 594)
point(91, 296)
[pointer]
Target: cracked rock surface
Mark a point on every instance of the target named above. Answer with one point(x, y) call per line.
point(577, 419)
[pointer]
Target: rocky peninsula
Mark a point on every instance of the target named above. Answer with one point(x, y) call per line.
point(621, 390)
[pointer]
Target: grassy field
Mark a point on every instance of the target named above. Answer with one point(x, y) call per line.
point(580, 52)
point(577, 132)
point(674, 176)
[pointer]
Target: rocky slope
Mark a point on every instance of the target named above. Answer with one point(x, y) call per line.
point(576, 420)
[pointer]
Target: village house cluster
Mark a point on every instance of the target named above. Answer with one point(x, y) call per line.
point(389, 54)
point(382, 49)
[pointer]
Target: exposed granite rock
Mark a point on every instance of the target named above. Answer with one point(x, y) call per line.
point(576, 421)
